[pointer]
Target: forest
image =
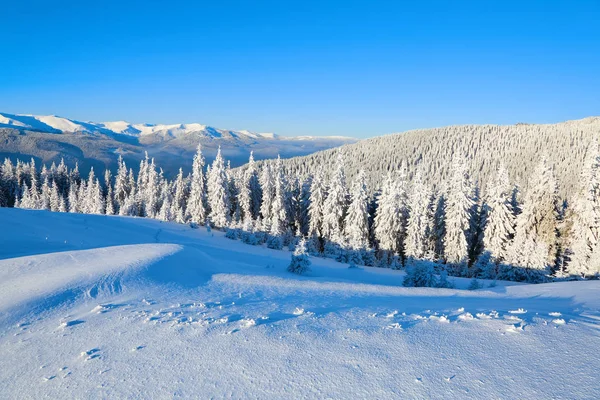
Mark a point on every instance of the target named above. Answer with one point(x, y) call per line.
point(433, 231)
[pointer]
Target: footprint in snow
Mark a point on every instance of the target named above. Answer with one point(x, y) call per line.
point(90, 354)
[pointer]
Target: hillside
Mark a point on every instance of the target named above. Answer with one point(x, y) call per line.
point(520, 147)
point(118, 307)
point(50, 138)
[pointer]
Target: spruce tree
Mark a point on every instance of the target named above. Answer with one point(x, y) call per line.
point(357, 219)
point(459, 205)
point(218, 195)
point(585, 216)
point(197, 200)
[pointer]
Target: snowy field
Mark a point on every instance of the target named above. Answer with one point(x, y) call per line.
point(116, 307)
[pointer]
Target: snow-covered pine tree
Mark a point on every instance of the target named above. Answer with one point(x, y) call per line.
point(109, 193)
point(55, 198)
point(254, 186)
point(357, 219)
point(391, 216)
point(233, 192)
point(318, 194)
point(246, 197)
point(417, 227)
point(122, 188)
point(96, 200)
point(181, 196)
point(218, 195)
point(74, 205)
point(278, 225)
point(197, 200)
point(585, 217)
point(44, 203)
point(268, 192)
point(300, 263)
point(459, 205)
point(151, 194)
point(500, 218)
point(533, 252)
point(336, 204)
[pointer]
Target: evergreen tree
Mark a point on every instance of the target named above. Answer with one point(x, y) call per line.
point(278, 225)
point(218, 195)
point(197, 200)
point(122, 188)
point(418, 220)
point(459, 205)
point(585, 229)
point(318, 194)
point(533, 252)
point(181, 196)
point(500, 217)
point(300, 260)
point(357, 220)
point(268, 192)
point(336, 204)
point(391, 214)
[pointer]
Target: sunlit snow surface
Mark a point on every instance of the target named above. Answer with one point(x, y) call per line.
point(111, 307)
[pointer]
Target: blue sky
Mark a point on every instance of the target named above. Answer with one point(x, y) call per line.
point(302, 67)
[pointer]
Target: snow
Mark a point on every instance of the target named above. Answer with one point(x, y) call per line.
point(55, 124)
point(116, 307)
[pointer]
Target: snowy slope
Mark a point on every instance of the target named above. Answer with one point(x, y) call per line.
point(178, 312)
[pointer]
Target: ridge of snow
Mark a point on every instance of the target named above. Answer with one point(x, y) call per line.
point(56, 124)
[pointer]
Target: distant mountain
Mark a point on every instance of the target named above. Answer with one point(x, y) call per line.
point(50, 138)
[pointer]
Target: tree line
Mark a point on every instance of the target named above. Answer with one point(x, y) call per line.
point(454, 229)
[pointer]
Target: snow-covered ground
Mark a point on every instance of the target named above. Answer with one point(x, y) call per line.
point(113, 307)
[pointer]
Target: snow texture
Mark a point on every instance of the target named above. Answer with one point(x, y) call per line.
point(95, 306)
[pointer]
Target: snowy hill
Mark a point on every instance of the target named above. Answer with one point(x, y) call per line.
point(98, 144)
point(117, 307)
point(519, 147)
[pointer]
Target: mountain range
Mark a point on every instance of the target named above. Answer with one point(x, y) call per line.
point(50, 138)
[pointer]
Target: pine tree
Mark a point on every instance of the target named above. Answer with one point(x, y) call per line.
point(533, 252)
point(391, 214)
point(74, 205)
point(357, 219)
point(55, 198)
point(300, 263)
point(122, 188)
point(268, 192)
point(459, 205)
point(336, 204)
point(246, 197)
point(197, 200)
point(418, 220)
point(278, 212)
point(218, 196)
point(585, 229)
point(318, 194)
point(44, 203)
point(254, 187)
point(500, 217)
point(181, 196)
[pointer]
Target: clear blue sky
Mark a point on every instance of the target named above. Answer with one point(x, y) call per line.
point(303, 67)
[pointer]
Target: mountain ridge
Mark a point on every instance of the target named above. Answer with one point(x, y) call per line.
point(57, 124)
